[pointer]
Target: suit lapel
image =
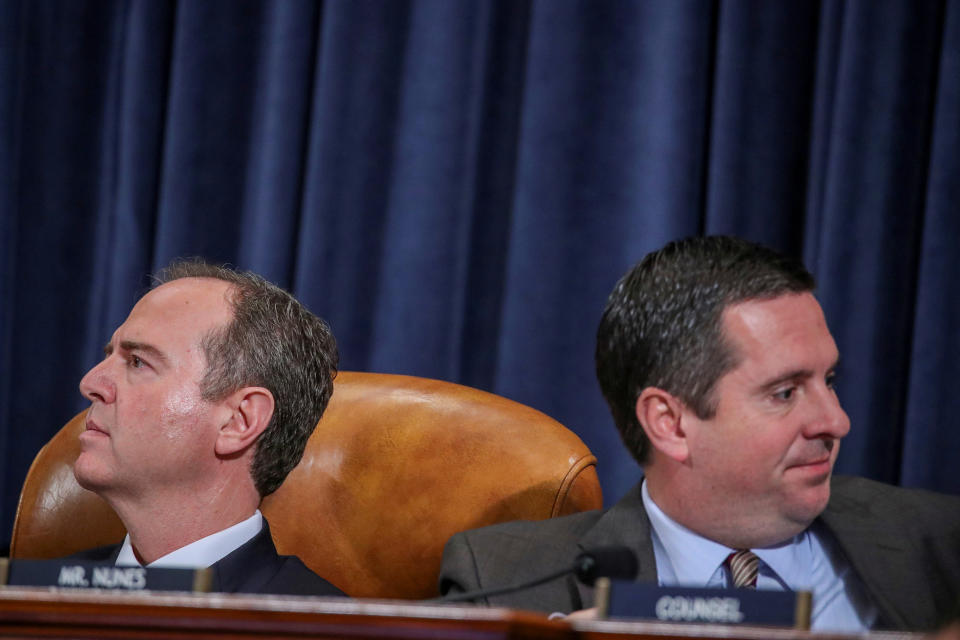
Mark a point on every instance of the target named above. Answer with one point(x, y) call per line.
point(249, 567)
point(624, 525)
point(882, 559)
point(106, 555)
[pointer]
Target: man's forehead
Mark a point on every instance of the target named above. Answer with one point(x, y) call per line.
point(763, 314)
point(791, 325)
point(190, 295)
point(187, 305)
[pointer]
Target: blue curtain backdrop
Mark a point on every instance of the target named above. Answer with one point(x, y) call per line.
point(456, 186)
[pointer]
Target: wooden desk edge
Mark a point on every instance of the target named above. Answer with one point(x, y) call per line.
point(28, 612)
point(613, 629)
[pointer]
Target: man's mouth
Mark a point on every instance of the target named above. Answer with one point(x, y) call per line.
point(821, 454)
point(815, 462)
point(91, 425)
point(818, 467)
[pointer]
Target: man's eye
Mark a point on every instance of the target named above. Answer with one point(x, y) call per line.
point(831, 381)
point(784, 394)
point(136, 362)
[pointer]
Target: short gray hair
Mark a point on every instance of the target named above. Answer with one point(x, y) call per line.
point(273, 342)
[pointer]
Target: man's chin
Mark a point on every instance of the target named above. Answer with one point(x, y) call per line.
point(88, 474)
point(807, 507)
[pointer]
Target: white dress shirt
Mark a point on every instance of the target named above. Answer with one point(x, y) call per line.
point(809, 561)
point(200, 553)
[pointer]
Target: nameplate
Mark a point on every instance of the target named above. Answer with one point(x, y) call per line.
point(87, 575)
point(713, 606)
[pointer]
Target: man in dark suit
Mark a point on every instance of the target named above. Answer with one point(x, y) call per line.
point(717, 364)
point(202, 405)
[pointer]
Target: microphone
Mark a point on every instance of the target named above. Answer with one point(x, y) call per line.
point(603, 562)
point(617, 563)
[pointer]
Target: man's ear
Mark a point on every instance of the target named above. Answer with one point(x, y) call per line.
point(660, 414)
point(252, 409)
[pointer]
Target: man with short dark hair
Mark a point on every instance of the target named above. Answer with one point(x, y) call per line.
point(717, 364)
point(202, 405)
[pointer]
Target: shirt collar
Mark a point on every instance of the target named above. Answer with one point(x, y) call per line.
point(693, 558)
point(200, 553)
point(788, 561)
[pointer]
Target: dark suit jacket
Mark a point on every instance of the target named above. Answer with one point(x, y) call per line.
point(904, 544)
point(254, 567)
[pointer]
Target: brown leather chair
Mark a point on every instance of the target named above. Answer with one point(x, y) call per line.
point(396, 466)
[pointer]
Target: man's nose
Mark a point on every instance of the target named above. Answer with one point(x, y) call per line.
point(97, 384)
point(830, 420)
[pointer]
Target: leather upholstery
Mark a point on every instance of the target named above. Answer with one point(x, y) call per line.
point(396, 466)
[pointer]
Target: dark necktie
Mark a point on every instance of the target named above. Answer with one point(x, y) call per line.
point(743, 568)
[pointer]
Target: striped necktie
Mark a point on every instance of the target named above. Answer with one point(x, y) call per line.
point(743, 568)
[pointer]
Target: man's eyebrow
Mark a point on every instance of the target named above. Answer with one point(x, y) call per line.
point(796, 374)
point(142, 347)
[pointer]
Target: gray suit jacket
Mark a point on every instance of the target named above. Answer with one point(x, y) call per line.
point(904, 544)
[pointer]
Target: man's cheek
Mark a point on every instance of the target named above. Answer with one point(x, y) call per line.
point(179, 413)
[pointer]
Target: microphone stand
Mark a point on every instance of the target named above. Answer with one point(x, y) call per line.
point(485, 593)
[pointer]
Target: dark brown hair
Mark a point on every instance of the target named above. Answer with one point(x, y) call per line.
point(662, 326)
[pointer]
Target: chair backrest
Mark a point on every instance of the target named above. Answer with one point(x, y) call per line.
point(396, 466)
